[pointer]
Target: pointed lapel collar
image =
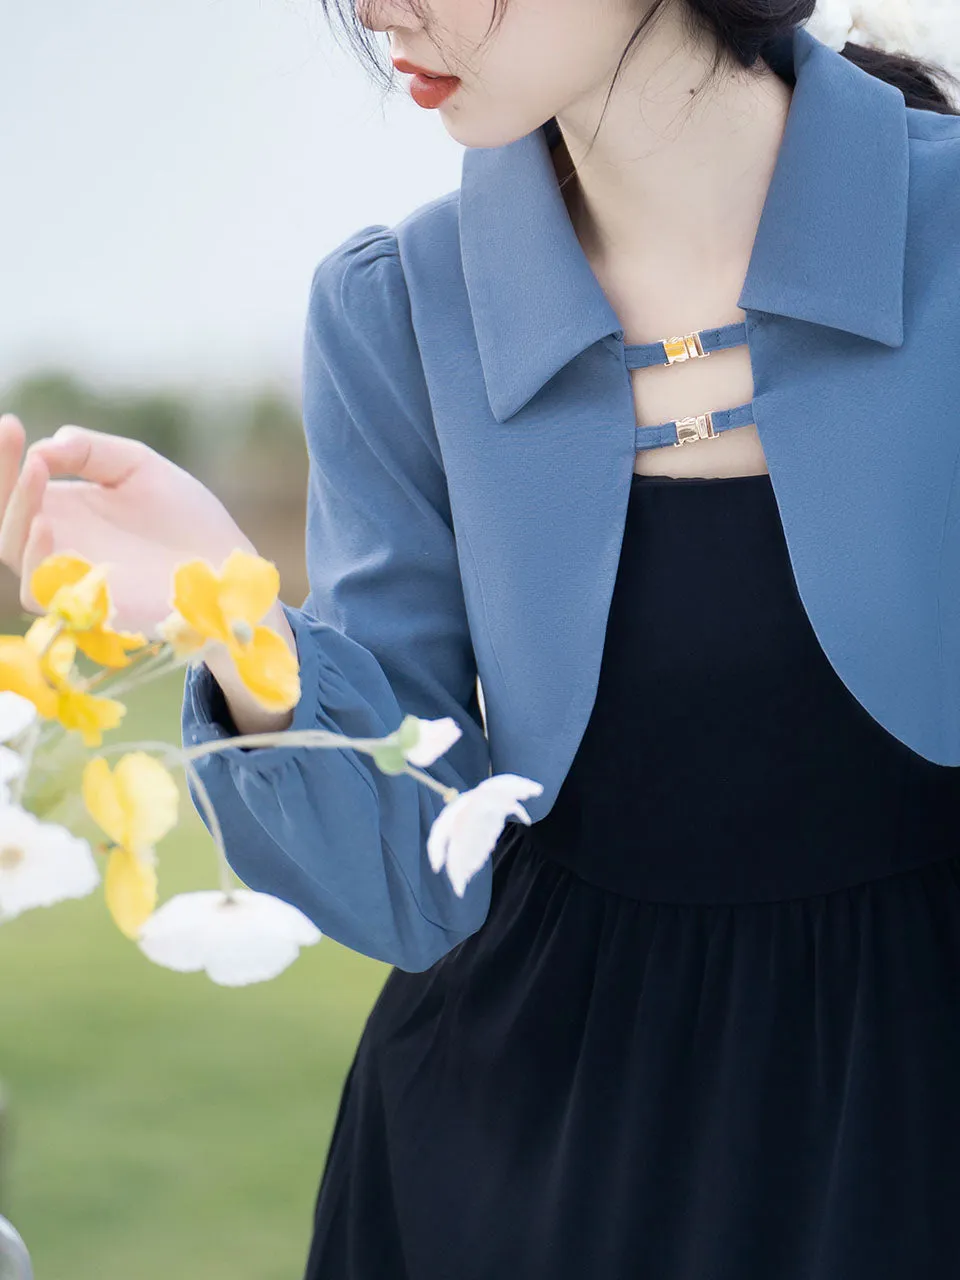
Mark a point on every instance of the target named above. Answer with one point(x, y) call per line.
point(829, 246)
point(831, 242)
point(534, 298)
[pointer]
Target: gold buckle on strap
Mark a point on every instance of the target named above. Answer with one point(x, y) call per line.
point(686, 346)
point(699, 427)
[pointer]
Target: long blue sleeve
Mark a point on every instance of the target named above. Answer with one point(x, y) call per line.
point(382, 633)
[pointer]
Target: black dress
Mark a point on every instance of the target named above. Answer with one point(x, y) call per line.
point(710, 1029)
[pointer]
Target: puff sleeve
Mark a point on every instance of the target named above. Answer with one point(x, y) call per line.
point(382, 633)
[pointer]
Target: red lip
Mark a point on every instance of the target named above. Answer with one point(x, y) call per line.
point(411, 69)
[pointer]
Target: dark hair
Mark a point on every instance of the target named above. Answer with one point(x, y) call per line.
point(741, 29)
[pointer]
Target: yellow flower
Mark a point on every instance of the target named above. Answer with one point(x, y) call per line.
point(136, 805)
point(182, 638)
point(40, 670)
point(88, 715)
point(226, 609)
point(21, 671)
point(83, 712)
point(130, 888)
point(56, 658)
point(71, 590)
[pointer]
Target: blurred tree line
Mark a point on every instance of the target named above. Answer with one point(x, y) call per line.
point(247, 448)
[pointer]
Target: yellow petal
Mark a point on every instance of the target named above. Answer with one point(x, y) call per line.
point(57, 661)
point(136, 804)
point(40, 631)
point(89, 715)
point(149, 797)
point(268, 669)
point(196, 591)
point(83, 604)
point(130, 887)
point(182, 638)
point(248, 587)
point(21, 672)
point(55, 572)
point(108, 647)
point(100, 798)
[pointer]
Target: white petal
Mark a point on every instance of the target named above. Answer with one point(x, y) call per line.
point(41, 863)
point(280, 916)
point(249, 938)
point(466, 831)
point(16, 714)
point(885, 24)
point(177, 934)
point(511, 786)
point(477, 830)
point(256, 957)
point(436, 737)
point(11, 764)
point(831, 23)
point(438, 838)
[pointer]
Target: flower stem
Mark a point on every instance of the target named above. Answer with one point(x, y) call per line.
point(285, 738)
point(135, 669)
point(448, 793)
point(178, 755)
point(223, 867)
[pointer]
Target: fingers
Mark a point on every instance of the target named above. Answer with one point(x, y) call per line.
point(102, 459)
point(23, 505)
point(12, 437)
point(90, 455)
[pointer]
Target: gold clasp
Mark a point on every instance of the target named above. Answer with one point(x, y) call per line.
point(684, 347)
point(699, 427)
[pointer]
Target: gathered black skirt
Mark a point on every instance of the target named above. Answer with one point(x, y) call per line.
point(710, 1029)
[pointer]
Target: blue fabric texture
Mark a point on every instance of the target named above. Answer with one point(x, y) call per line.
point(470, 423)
point(383, 633)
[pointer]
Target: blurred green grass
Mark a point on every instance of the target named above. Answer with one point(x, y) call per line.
point(159, 1125)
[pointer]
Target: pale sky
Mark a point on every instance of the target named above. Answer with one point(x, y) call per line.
point(171, 171)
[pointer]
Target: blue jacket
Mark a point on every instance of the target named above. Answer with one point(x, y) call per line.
point(471, 433)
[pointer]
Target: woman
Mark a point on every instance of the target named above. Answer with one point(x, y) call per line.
point(701, 1017)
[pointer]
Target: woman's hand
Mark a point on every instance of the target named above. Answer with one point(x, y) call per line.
point(130, 509)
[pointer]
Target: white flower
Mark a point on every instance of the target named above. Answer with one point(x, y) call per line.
point(831, 23)
point(16, 714)
point(466, 830)
point(436, 737)
point(889, 25)
point(40, 863)
point(926, 29)
point(248, 937)
point(937, 24)
point(885, 24)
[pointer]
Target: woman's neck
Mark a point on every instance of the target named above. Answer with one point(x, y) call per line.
point(672, 183)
